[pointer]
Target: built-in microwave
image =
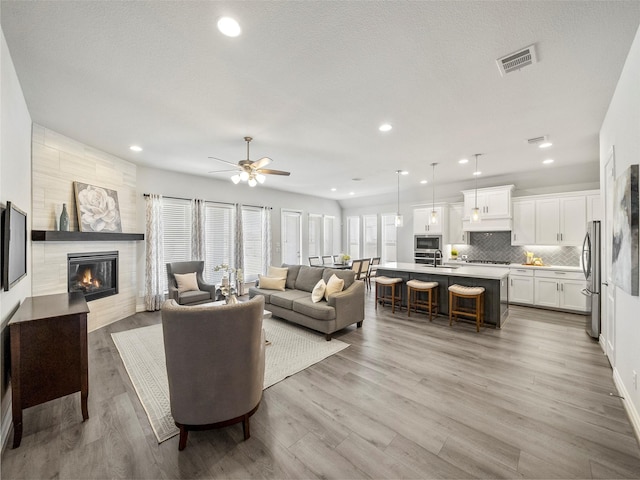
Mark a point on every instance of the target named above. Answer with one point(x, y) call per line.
point(427, 243)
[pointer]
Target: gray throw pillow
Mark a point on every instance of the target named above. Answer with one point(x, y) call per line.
point(292, 274)
point(308, 277)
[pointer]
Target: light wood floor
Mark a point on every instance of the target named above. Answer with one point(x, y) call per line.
point(407, 399)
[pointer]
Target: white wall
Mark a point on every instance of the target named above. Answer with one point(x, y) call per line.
point(172, 184)
point(15, 186)
point(621, 129)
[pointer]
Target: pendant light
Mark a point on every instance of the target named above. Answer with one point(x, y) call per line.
point(434, 214)
point(399, 219)
point(475, 211)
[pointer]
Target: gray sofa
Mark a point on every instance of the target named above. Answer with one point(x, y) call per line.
point(294, 304)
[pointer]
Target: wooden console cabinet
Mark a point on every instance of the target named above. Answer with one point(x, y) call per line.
point(48, 338)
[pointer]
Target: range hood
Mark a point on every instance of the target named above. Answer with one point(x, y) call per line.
point(488, 225)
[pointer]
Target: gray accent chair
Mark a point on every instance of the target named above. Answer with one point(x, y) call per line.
point(215, 364)
point(207, 292)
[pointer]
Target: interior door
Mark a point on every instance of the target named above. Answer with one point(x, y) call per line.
point(608, 290)
point(291, 237)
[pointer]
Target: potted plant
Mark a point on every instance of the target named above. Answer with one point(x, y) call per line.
point(454, 254)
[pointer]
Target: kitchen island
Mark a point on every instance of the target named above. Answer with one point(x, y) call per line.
point(494, 280)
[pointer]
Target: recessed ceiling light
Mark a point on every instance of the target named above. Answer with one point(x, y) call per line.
point(423, 181)
point(333, 189)
point(477, 173)
point(404, 172)
point(463, 160)
point(548, 161)
point(385, 127)
point(545, 145)
point(135, 148)
point(352, 193)
point(229, 27)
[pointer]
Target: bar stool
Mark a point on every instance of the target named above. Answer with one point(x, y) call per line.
point(382, 283)
point(414, 289)
point(457, 292)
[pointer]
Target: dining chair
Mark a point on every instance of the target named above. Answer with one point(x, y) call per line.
point(373, 270)
point(315, 261)
point(337, 259)
point(356, 266)
point(327, 260)
point(364, 270)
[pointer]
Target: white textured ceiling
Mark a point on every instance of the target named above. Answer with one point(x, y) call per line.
point(311, 82)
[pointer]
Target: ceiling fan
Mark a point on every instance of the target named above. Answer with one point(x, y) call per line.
point(248, 171)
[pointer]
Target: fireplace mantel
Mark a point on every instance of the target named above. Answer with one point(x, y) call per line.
point(58, 236)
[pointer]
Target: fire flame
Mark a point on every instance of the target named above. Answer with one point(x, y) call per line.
point(87, 279)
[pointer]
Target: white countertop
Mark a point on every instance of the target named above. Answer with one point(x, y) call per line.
point(492, 272)
point(559, 268)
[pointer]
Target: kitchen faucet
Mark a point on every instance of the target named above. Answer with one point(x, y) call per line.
point(435, 257)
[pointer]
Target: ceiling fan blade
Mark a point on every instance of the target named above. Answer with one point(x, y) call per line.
point(263, 162)
point(224, 161)
point(221, 171)
point(266, 171)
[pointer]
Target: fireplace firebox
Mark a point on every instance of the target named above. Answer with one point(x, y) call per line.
point(94, 274)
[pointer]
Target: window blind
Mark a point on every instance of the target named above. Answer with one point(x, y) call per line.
point(219, 236)
point(176, 215)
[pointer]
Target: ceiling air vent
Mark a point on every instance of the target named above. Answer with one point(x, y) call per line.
point(517, 60)
point(536, 140)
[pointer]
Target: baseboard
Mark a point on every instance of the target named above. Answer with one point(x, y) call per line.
point(5, 429)
point(628, 404)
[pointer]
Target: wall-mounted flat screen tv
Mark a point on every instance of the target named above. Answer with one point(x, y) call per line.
point(14, 246)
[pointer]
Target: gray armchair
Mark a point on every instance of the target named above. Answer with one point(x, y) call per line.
point(207, 292)
point(215, 364)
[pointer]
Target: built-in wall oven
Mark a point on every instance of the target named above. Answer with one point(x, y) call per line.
point(427, 249)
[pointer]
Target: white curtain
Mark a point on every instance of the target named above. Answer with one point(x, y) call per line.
point(154, 267)
point(266, 238)
point(198, 229)
point(239, 240)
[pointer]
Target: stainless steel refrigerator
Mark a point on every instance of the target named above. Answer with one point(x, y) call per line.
point(591, 267)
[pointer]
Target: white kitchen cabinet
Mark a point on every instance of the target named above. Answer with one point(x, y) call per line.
point(524, 222)
point(457, 236)
point(563, 290)
point(594, 209)
point(422, 221)
point(561, 221)
point(521, 286)
point(493, 202)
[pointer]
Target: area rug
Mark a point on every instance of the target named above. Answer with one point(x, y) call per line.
point(292, 349)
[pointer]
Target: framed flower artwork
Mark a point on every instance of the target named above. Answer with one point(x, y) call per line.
point(98, 208)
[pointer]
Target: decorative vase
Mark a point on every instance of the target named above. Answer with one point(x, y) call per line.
point(231, 299)
point(64, 219)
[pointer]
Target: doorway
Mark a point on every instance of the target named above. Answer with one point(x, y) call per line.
point(291, 236)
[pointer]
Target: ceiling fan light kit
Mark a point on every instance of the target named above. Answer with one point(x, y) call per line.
point(250, 172)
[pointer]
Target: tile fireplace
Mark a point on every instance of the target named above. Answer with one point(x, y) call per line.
point(95, 274)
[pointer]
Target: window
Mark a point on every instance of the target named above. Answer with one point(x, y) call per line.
point(329, 232)
point(219, 235)
point(315, 235)
point(176, 215)
point(389, 238)
point(353, 237)
point(253, 243)
point(370, 236)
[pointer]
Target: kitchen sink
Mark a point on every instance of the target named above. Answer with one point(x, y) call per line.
point(441, 266)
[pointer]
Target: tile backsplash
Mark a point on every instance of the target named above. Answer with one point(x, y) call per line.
point(497, 246)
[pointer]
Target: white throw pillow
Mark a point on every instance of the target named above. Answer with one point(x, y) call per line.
point(272, 283)
point(318, 291)
point(186, 282)
point(334, 285)
point(277, 272)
